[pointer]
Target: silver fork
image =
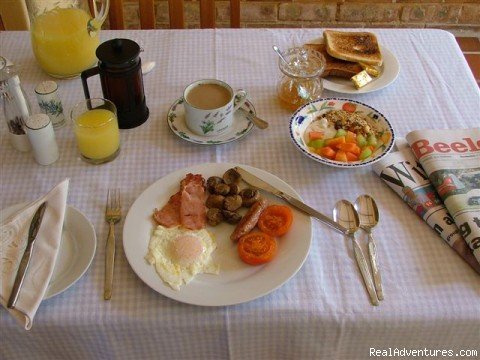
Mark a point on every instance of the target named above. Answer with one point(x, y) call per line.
point(113, 214)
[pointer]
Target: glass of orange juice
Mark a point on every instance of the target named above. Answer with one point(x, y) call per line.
point(96, 130)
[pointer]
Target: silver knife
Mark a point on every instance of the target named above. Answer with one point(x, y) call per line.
point(22, 268)
point(256, 182)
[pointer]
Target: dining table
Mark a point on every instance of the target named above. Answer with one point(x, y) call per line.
point(321, 310)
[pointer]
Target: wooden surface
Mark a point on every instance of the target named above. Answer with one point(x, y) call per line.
point(235, 13)
point(115, 15)
point(207, 14)
point(175, 11)
point(147, 14)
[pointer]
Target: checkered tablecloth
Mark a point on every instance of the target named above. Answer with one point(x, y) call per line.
point(432, 298)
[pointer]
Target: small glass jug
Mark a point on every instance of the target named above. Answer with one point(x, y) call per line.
point(301, 80)
point(15, 105)
point(64, 35)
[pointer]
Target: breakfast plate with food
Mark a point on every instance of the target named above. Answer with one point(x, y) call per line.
point(355, 62)
point(203, 236)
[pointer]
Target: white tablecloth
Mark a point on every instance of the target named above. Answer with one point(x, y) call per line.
point(432, 298)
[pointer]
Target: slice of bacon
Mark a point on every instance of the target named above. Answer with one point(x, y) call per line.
point(186, 207)
point(169, 215)
point(193, 214)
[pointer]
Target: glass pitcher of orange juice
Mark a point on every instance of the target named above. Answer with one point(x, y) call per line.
point(64, 35)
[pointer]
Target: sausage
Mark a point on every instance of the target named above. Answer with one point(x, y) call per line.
point(249, 220)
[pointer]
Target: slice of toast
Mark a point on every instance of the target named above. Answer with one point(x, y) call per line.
point(333, 66)
point(353, 46)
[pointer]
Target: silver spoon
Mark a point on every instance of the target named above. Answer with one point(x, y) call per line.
point(345, 214)
point(279, 53)
point(260, 123)
point(368, 214)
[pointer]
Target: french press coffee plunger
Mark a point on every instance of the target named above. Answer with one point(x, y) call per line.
point(120, 72)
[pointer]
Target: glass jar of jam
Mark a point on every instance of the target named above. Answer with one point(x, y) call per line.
point(301, 80)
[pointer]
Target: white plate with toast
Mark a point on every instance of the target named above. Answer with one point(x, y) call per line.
point(388, 74)
point(237, 282)
point(347, 53)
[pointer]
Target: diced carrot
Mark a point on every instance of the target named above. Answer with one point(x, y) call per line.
point(315, 135)
point(327, 152)
point(335, 142)
point(386, 137)
point(350, 147)
point(356, 150)
point(351, 156)
point(341, 156)
point(351, 137)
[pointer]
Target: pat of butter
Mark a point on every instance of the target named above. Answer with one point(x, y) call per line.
point(370, 69)
point(361, 79)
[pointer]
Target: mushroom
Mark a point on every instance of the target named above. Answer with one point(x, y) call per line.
point(231, 217)
point(231, 176)
point(232, 202)
point(221, 189)
point(249, 196)
point(234, 189)
point(212, 181)
point(215, 201)
point(214, 216)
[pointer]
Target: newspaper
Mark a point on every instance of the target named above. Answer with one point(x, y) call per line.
point(451, 158)
point(402, 172)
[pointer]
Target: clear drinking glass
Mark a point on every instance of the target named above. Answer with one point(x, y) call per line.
point(301, 80)
point(96, 130)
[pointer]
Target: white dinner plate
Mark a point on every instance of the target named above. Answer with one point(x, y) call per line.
point(389, 73)
point(76, 251)
point(237, 281)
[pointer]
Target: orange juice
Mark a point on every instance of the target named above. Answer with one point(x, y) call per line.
point(97, 134)
point(61, 42)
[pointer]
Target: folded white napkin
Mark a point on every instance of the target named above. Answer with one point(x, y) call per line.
point(13, 240)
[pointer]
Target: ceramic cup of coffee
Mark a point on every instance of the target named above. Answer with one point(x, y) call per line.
point(209, 106)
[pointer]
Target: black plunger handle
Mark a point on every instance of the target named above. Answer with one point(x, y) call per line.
point(85, 75)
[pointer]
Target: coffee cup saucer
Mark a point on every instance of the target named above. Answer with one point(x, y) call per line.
point(241, 126)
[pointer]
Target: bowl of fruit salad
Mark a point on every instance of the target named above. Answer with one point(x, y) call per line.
point(341, 132)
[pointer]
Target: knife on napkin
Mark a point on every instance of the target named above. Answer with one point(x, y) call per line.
point(22, 268)
point(256, 182)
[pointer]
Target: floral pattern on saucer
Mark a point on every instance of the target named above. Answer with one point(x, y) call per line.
point(241, 125)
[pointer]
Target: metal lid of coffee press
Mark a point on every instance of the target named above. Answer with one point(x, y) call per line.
point(118, 53)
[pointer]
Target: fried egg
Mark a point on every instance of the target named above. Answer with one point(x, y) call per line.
point(179, 254)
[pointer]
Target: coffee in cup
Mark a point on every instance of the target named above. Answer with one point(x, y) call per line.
point(209, 106)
